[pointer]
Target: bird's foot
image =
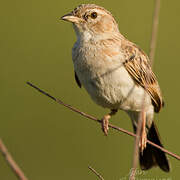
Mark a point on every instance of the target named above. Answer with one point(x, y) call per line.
point(105, 124)
point(143, 140)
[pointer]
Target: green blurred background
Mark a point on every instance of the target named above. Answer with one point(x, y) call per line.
point(47, 140)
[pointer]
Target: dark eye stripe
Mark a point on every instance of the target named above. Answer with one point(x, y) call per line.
point(85, 17)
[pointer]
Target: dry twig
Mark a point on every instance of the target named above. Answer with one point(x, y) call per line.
point(96, 173)
point(10, 161)
point(154, 31)
point(99, 121)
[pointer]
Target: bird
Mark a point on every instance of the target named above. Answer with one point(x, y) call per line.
point(117, 75)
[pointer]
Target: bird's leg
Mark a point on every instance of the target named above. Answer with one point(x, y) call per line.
point(143, 135)
point(105, 121)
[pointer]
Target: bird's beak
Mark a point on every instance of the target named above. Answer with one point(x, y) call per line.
point(71, 18)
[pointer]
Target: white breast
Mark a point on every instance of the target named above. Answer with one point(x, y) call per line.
point(106, 80)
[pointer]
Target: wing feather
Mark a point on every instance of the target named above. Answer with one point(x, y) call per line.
point(77, 80)
point(138, 66)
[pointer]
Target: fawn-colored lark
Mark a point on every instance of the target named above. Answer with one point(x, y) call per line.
point(117, 75)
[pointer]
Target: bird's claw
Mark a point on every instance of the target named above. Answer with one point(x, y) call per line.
point(143, 140)
point(105, 124)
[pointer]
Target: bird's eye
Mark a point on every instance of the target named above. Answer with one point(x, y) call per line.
point(94, 15)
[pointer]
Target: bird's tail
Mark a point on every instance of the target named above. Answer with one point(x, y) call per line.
point(151, 155)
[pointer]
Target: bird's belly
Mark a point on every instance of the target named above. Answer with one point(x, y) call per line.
point(114, 89)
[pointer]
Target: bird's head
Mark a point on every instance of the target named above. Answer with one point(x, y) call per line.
point(92, 20)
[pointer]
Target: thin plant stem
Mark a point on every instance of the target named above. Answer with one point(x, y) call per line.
point(151, 57)
point(10, 161)
point(96, 173)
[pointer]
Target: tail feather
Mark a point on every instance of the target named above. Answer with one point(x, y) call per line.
point(151, 155)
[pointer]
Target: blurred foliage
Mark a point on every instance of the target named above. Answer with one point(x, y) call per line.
point(47, 140)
